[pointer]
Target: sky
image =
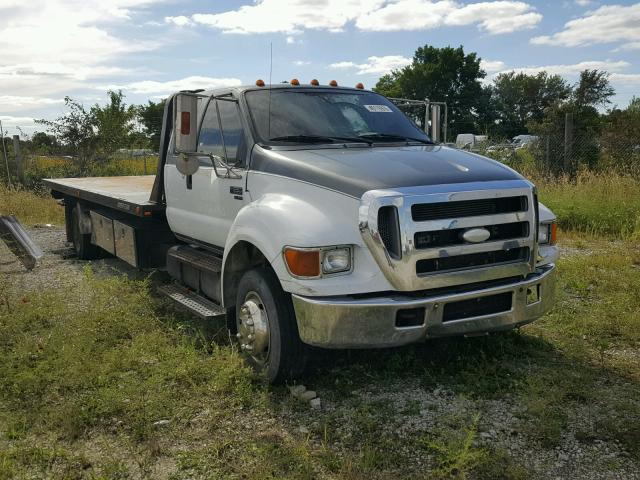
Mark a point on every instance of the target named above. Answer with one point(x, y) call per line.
point(50, 49)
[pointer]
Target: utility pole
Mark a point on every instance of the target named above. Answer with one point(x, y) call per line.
point(19, 162)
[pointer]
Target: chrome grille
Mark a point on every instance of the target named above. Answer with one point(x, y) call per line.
point(421, 212)
point(432, 252)
point(471, 260)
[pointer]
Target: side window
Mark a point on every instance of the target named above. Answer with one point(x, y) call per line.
point(234, 141)
point(210, 139)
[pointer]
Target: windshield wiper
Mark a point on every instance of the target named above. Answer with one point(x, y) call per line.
point(318, 139)
point(394, 138)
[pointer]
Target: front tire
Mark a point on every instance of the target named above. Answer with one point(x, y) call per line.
point(267, 328)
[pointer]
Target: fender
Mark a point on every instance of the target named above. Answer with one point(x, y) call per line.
point(289, 212)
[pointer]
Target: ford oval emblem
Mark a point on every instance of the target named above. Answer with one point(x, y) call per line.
point(476, 235)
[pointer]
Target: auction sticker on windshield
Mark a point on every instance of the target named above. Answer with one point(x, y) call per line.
point(378, 108)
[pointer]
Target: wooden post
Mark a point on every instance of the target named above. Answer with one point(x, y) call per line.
point(568, 141)
point(19, 162)
point(6, 159)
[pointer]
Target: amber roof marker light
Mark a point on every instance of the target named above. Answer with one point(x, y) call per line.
point(295, 82)
point(359, 86)
point(314, 82)
point(333, 83)
point(260, 82)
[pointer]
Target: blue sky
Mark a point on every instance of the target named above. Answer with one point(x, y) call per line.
point(81, 48)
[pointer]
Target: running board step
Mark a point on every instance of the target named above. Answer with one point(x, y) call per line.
point(196, 258)
point(194, 303)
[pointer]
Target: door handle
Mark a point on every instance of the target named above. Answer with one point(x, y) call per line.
point(236, 192)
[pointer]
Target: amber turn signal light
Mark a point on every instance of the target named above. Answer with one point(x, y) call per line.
point(302, 263)
point(554, 233)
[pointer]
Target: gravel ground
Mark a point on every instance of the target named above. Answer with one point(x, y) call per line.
point(499, 424)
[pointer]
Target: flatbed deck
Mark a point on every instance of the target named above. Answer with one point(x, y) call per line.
point(128, 194)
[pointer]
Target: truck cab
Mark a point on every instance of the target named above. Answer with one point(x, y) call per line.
point(322, 216)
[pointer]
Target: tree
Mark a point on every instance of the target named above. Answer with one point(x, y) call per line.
point(620, 134)
point(151, 118)
point(43, 143)
point(440, 74)
point(115, 125)
point(75, 129)
point(519, 99)
point(593, 89)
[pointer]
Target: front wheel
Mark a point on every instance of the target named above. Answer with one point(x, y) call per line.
point(266, 325)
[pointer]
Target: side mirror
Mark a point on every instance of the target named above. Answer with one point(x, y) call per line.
point(186, 129)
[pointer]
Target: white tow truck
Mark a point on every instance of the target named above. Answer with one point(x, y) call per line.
point(321, 215)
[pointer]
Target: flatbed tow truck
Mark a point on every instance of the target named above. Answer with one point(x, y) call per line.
point(321, 215)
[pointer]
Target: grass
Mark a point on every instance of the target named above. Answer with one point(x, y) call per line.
point(29, 207)
point(597, 204)
point(87, 374)
point(38, 168)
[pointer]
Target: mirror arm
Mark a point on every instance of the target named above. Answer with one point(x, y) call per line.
point(230, 173)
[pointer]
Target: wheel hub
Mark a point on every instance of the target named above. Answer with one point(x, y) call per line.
point(253, 328)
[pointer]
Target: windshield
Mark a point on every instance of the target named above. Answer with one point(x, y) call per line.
point(303, 116)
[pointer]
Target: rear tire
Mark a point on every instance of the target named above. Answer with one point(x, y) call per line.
point(85, 250)
point(279, 355)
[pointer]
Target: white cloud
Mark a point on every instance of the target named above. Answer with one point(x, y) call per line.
point(294, 16)
point(301, 63)
point(375, 64)
point(490, 66)
point(52, 47)
point(583, 3)
point(572, 69)
point(607, 24)
point(9, 121)
point(625, 78)
point(17, 101)
point(287, 16)
point(180, 20)
point(189, 83)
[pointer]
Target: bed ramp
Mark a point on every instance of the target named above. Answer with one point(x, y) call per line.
point(17, 239)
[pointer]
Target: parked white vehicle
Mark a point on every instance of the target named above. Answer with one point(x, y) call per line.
point(319, 215)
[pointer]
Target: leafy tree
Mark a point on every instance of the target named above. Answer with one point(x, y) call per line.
point(75, 130)
point(151, 116)
point(441, 74)
point(593, 89)
point(115, 125)
point(43, 143)
point(519, 99)
point(620, 134)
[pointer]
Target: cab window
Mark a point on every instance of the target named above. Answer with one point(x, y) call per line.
point(221, 133)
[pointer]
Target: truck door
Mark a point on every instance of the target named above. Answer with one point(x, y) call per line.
point(204, 206)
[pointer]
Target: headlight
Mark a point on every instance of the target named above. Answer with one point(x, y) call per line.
point(547, 233)
point(316, 262)
point(336, 260)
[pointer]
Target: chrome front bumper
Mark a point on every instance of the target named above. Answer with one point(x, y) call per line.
point(348, 322)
